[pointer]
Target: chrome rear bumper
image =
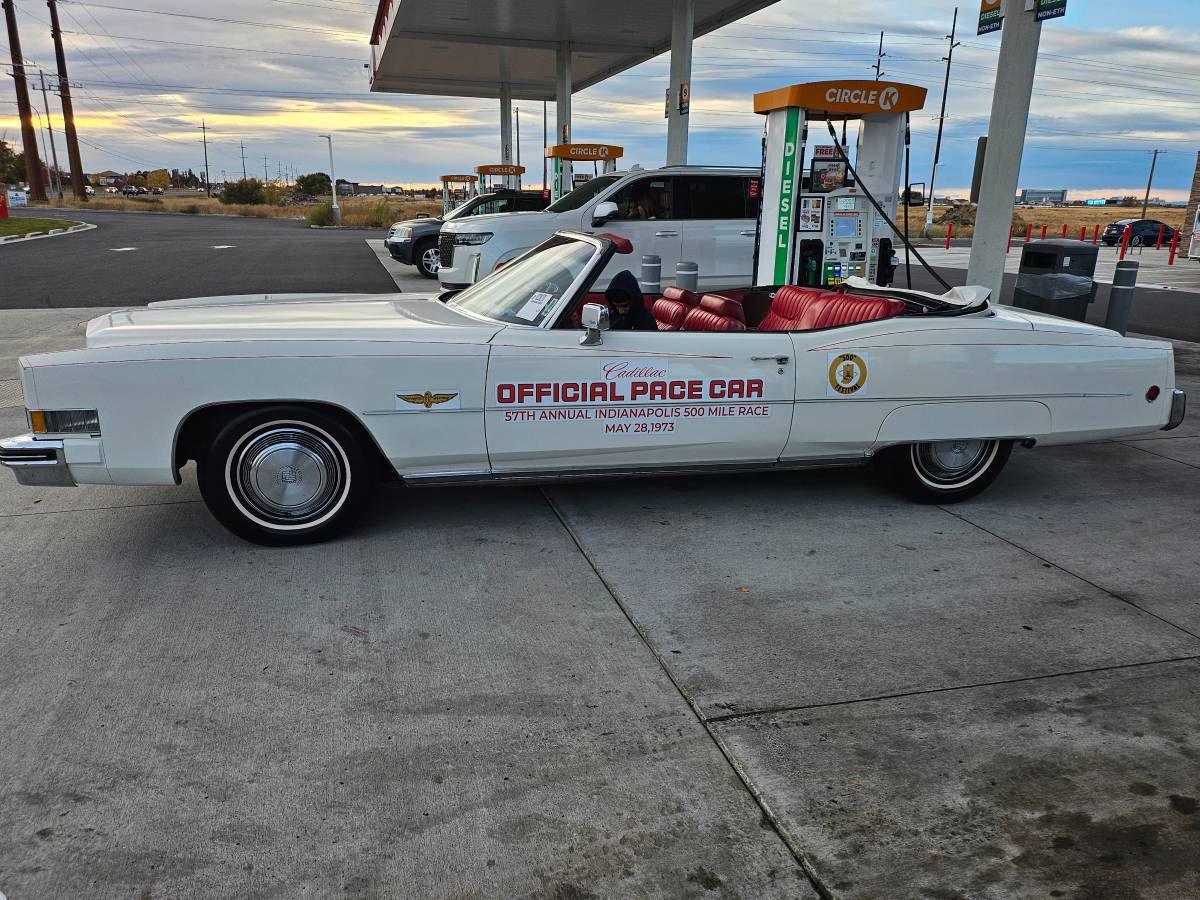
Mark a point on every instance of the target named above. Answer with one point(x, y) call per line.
point(35, 461)
point(1178, 409)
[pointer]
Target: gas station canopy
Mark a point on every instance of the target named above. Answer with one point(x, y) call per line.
point(469, 48)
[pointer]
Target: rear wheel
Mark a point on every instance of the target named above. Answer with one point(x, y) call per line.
point(285, 475)
point(945, 471)
point(427, 259)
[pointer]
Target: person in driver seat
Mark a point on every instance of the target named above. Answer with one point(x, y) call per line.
point(629, 313)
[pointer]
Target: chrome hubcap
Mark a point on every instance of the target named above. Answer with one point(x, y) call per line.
point(952, 463)
point(431, 259)
point(287, 474)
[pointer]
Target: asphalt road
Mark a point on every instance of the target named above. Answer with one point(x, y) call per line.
point(173, 256)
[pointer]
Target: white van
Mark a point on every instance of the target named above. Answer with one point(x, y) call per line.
point(704, 215)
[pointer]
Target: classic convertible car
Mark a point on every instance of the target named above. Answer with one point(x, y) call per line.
point(292, 406)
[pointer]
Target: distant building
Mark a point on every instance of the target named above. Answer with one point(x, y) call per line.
point(369, 189)
point(1036, 197)
point(104, 179)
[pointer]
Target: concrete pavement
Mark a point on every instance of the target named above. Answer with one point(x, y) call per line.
point(663, 688)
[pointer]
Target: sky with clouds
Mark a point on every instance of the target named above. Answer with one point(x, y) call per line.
point(1115, 80)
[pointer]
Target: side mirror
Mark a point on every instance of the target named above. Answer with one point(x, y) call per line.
point(603, 212)
point(595, 321)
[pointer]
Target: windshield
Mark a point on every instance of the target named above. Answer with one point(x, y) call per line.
point(582, 194)
point(459, 211)
point(527, 291)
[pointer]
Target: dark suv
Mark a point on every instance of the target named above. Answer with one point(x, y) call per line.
point(415, 242)
point(1144, 232)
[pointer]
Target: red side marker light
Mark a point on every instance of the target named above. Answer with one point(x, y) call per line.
point(1152, 394)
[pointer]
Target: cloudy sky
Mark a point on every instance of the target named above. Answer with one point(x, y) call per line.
point(1115, 80)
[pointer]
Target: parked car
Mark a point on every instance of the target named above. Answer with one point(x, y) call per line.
point(414, 242)
point(129, 190)
point(292, 405)
point(706, 215)
point(1144, 232)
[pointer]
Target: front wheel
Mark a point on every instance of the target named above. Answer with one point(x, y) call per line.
point(285, 475)
point(945, 471)
point(427, 258)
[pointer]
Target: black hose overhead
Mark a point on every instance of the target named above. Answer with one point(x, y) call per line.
point(879, 209)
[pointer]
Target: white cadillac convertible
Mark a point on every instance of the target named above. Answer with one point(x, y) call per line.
point(294, 406)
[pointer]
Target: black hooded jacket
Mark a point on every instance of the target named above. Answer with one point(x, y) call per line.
point(624, 285)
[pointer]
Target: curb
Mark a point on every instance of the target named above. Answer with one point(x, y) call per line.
point(37, 235)
point(349, 227)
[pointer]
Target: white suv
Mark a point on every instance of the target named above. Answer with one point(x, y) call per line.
point(704, 215)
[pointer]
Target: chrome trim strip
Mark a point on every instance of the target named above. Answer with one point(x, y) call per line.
point(1178, 409)
point(35, 461)
point(511, 476)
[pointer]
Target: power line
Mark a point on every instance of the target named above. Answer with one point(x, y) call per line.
point(256, 50)
point(179, 15)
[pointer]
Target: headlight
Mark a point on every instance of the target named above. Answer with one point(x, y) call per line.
point(64, 421)
point(473, 238)
point(401, 232)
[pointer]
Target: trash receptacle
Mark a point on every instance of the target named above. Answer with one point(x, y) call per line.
point(1057, 277)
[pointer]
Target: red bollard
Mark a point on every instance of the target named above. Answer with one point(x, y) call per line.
point(1125, 235)
point(1158, 243)
point(1043, 232)
point(1010, 234)
point(949, 234)
point(1083, 232)
point(1096, 235)
point(1064, 234)
point(1029, 233)
point(1174, 247)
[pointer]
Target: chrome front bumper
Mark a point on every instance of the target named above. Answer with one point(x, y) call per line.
point(1178, 409)
point(35, 461)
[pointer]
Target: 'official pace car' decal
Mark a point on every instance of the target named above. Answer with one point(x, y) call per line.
point(847, 374)
point(440, 400)
point(633, 396)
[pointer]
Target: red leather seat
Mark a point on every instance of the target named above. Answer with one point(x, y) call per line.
point(672, 308)
point(715, 313)
point(809, 309)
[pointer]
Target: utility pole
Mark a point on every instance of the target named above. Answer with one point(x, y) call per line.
point(56, 172)
point(78, 183)
point(937, 147)
point(543, 145)
point(879, 59)
point(517, 116)
point(337, 211)
point(265, 177)
point(242, 144)
point(204, 138)
point(33, 165)
point(1149, 182)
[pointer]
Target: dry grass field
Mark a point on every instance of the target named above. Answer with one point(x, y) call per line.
point(1054, 218)
point(376, 211)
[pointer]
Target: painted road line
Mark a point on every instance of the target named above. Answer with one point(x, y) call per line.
point(223, 246)
point(121, 249)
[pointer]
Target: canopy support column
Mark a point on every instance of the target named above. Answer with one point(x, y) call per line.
point(506, 144)
point(1006, 142)
point(563, 180)
point(683, 17)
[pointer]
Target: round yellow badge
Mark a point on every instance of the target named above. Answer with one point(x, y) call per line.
point(848, 373)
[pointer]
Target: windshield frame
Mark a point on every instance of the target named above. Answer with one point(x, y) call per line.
point(602, 250)
point(587, 185)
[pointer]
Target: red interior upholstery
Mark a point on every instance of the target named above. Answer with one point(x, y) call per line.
point(715, 313)
point(669, 314)
point(683, 295)
point(807, 309)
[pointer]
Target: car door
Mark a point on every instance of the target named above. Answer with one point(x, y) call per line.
point(719, 218)
point(639, 400)
point(645, 215)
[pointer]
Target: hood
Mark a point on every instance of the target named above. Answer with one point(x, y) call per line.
point(512, 222)
point(290, 317)
point(417, 223)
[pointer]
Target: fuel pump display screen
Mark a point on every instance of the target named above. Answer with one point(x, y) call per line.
point(845, 226)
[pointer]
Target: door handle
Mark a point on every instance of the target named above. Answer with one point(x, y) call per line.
point(782, 360)
point(747, 233)
point(666, 234)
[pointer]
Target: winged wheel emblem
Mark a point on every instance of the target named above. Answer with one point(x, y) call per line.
point(428, 399)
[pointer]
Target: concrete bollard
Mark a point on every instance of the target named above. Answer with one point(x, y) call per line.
point(687, 275)
point(651, 280)
point(1120, 298)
